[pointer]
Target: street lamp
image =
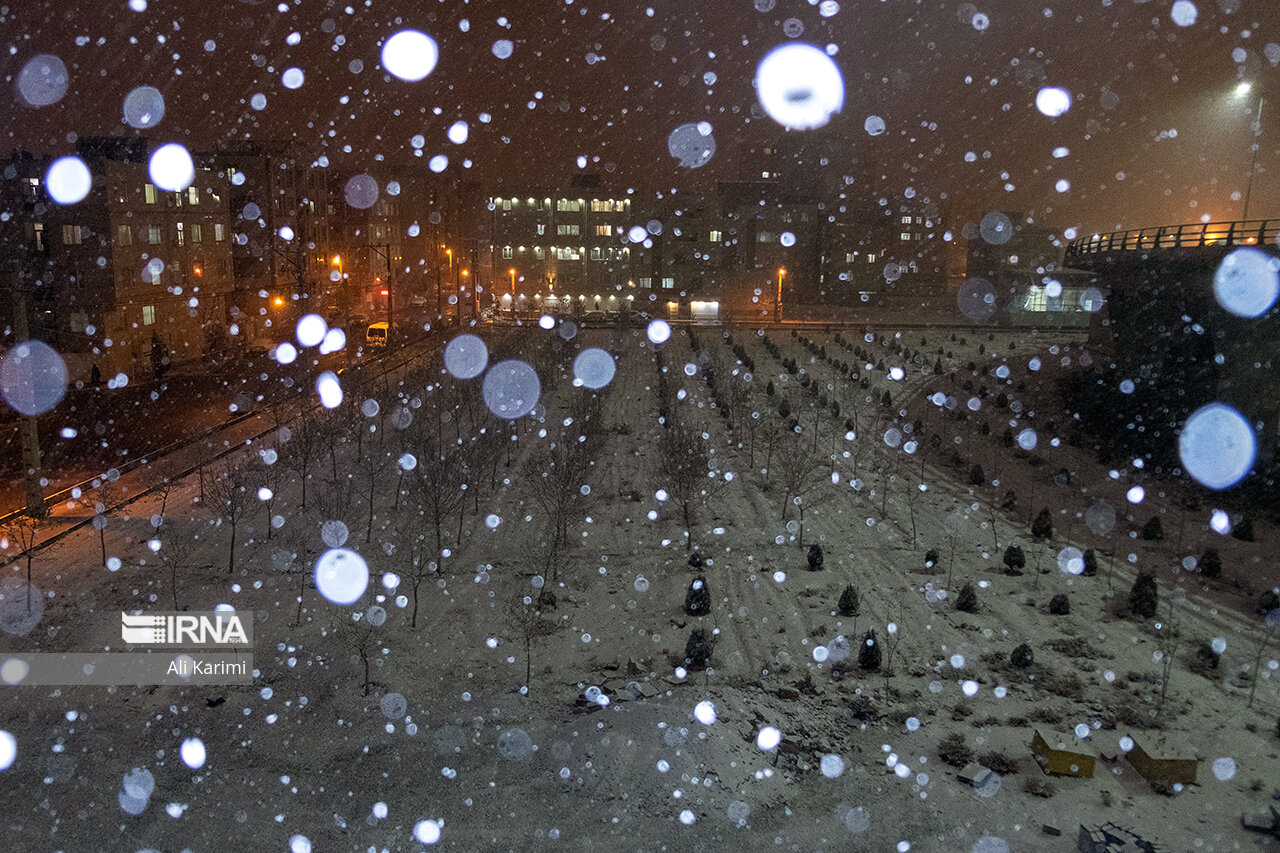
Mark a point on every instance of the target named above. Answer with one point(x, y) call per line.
point(512, 273)
point(777, 306)
point(466, 275)
point(1242, 91)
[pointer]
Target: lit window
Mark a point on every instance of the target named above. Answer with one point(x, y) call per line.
point(715, 237)
point(668, 283)
point(150, 193)
point(38, 234)
point(79, 320)
point(765, 237)
point(906, 236)
point(197, 232)
point(569, 205)
point(906, 220)
point(539, 253)
point(193, 195)
point(646, 282)
point(124, 235)
point(219, 233)
point(603, 230)
point(596, 255)
point(871, 257)
point(182, 235)
point(506, 252)
point(72, 235)
point(148, 315)
point(542, 229)
point(567, 230)
point(506, 204)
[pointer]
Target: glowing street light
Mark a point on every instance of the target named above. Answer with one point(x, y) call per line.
point(777, 307)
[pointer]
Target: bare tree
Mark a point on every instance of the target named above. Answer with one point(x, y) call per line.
point(301, 450)
point(437, 484)
point(411, 552)
point(893, 636)
point(101, 500)
point(272, 475)
point(163, 489)
point(913, 497)
point(357, 632)
point(528, 624)
point(953, 527)
point(176, 552)
point(373, 467)
point(1270, 627)
point(23, 530)
point(554, 475)
point(799, 471)
point(1171, 639)
point(771, 436)
point(685, 471)
point(229, 497)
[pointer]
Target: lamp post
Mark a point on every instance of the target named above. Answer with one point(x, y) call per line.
point(466, 275)
point(777, 306)
point(512, 272)
point(1242, 91)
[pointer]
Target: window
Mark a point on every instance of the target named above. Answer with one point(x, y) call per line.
point(569, 205)
point(871, 257)
point(72, 235)
point(197, 232)
point(1037, 300)
point(906, 220)
point(668, 283)
point(148, 315)
point(507, 253)
point(149, 192)
point(567, 230)
point(715, 237)
point(506, 204)
point(596, 254)
point(646, 281)
point(568, 253)
point(603, 231)
point(906, 236)
point(219, 233)
point(539, 253)
point(181, 239)
point(153, 234)
point(124, 235)
point(193, 195)
point(542, 228)
point(38, 236)
point(765, 237)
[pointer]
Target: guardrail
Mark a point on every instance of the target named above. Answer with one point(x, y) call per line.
point(1199, 235)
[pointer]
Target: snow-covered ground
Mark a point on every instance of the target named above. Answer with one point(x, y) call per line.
point(503, 764)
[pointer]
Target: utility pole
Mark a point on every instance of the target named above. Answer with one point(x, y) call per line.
point(28, 425)
point(384, 249)
point(1253, 163)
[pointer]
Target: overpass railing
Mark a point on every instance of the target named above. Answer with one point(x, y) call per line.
point(1199, 235)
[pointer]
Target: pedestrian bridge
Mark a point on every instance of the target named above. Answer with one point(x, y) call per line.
point(1206, 241)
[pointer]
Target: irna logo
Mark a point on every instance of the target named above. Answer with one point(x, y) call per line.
point(216, 628)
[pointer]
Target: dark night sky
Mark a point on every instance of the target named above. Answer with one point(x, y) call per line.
point(904, 60)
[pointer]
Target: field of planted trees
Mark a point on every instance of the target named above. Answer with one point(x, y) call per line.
point(759, 587)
